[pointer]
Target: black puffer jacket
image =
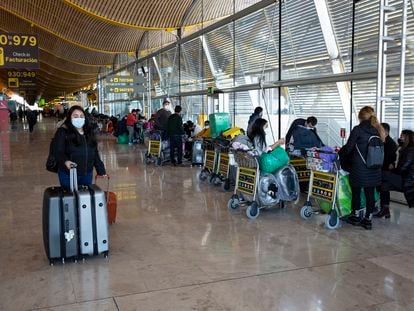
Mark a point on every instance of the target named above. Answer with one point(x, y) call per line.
point(406, 167)
point(85, 155)
point(360, 175)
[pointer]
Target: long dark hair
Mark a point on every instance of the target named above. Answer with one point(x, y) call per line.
point(410, 138)
point(258, 131)
point(73, 135)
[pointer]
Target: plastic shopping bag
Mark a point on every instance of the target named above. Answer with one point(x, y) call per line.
point(344, 196)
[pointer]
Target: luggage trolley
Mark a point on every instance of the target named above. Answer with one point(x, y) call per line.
point(252, 186)
point(323, 186)
point(245, 190)
point(222, 172)
point(210, 161)
point(156, 152)
point(301, 169)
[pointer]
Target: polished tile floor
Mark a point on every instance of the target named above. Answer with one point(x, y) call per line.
point(175, 246)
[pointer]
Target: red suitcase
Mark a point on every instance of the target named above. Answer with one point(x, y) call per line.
point(110, 201)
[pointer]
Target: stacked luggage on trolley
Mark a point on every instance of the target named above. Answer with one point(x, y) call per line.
point(263, 182)
point(329, 187)
point(218, 164)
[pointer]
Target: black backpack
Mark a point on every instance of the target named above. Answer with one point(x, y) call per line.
point(51, 162)
point(375, 153)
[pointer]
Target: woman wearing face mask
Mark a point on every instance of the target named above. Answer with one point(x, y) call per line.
point(75, 144)
point(360, 175)
point(402, 177)
point(258, 137)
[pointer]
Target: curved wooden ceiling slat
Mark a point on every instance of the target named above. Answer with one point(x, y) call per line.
point(64, 75)
point(77, 37)
point(207, 10)
point(74, 26)
point(53, 44)
point(149, 14)
point(66, 65)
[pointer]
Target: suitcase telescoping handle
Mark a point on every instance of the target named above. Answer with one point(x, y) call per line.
point(107, 177)
point(73, 178)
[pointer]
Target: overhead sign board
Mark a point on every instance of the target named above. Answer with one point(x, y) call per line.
point(22, 79)
point(125, 89)
point(19, 51)
point(124, 80)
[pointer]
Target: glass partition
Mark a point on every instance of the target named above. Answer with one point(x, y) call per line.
point(239, 57)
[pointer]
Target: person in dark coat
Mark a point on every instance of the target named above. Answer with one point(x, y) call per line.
point(175, 131)
point(31, 119)
point(75, 145)
point(305, 133)
point(162, 116)
point(402, 177)
point(360, 175)
point(390, 155)
point(257, 114)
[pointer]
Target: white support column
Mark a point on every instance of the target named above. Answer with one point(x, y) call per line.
point(159, 74)
point(332, 47)
point(210, 62)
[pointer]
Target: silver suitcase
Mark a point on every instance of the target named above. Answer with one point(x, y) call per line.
point(93, 220)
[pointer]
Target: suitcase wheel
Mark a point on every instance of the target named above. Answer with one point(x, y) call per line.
point(51, 263)
point(106, 254)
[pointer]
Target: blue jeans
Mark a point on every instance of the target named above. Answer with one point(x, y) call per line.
point(64, 179)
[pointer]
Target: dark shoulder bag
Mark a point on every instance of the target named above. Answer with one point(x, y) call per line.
point(51, 162)
point(375, 153)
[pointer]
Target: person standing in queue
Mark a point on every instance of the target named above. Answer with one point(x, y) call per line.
point(360, 175)
point(257, 114)
point(130, 123)
point(258, 138)
point(75, 145)
point(161, 120)
point(390, 155)
point(401, 178)
point(175, 131)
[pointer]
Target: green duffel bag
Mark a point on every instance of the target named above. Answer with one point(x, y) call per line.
point(344, 196)
point(123, 139)
point(273, 161)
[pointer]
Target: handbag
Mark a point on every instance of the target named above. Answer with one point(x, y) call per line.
point(51, 162)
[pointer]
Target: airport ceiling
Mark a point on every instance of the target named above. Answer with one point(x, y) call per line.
point(77, 37)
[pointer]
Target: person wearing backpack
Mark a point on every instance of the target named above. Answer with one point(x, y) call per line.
point(365, 149)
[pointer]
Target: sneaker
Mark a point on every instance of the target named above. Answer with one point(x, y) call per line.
point(366, 223)
point(353, 220)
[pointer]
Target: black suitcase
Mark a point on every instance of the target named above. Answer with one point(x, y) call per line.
point(60, 223)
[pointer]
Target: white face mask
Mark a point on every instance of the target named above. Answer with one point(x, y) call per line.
point(78, 122)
